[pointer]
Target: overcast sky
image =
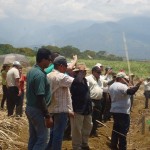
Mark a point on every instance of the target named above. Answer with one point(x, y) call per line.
point(73, 10)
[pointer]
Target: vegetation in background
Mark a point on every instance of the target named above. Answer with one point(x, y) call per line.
point(90, 57)
point(67, 51)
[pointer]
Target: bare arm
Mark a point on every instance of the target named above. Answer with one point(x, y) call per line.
point(73, 62)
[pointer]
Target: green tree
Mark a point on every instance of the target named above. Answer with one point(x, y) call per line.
point(53, 48)
point(6, 49)
point(69, 51)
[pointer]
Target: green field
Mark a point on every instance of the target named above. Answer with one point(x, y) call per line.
point(141, 69)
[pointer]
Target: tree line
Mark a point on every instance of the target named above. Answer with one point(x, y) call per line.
point(67, 51)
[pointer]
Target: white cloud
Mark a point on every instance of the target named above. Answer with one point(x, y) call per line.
point(72, 10)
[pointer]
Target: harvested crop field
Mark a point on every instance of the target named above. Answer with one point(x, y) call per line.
point(14, 131)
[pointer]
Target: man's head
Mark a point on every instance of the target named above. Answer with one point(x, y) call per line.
point(60, 63)
point(16, 64)
point(43, 57)
point(122, 77)
point(100, 66)
point(96, 71)
point(81, 68)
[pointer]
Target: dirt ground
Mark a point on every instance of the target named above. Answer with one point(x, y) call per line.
point(14, 131)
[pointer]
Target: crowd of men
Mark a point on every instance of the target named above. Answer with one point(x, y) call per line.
point(69, 99)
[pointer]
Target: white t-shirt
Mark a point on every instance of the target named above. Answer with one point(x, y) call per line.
point(12, 75)
point(120, 101)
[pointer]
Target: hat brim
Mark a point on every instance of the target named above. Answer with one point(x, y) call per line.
point(76, 69)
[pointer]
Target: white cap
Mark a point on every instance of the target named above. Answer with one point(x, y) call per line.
point(16, 63)
point(122, 75)
point(99, 65)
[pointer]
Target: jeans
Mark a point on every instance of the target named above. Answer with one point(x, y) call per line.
point(57, 131)
point(121, 125)
point(38, 133)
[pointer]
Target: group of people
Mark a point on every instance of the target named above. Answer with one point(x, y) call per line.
point(61, 94)
point(13, 88)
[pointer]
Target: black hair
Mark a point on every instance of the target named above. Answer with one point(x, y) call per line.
point(95, 68)
point(43, 53)
point(3, 67)
point(54, 55)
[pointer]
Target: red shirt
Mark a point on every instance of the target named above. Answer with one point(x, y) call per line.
point(22, 81)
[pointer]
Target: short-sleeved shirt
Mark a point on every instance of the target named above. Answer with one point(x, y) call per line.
point(120, 101)
point(49, 69)
point(60, 89)
point(37, 84)
point(12, 75)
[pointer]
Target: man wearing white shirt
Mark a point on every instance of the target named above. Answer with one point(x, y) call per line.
point(96, 91)
point(147, 91)
point(120, 109)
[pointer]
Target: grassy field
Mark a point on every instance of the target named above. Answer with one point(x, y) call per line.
point(141, 69)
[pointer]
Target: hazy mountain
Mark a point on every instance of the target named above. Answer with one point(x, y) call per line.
point(84, 35)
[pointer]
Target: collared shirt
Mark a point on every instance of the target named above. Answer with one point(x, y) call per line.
point(146, 86)
point(96, 87)
point(61, 97)
point(12, 75)
point(37, 84)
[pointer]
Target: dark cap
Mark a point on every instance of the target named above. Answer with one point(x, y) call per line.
point(60, 60)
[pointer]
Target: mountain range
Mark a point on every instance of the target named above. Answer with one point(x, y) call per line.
point(85, 35)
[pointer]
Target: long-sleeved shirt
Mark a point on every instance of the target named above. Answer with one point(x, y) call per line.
point(60, 92)
point(95, 86)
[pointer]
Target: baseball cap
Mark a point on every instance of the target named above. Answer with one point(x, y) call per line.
point(122, 75)
point(60, 60)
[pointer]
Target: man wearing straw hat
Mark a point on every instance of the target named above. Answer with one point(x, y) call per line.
point(81, 124)
point(120, 109)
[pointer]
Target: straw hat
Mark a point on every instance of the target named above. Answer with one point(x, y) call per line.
point(81, 66)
